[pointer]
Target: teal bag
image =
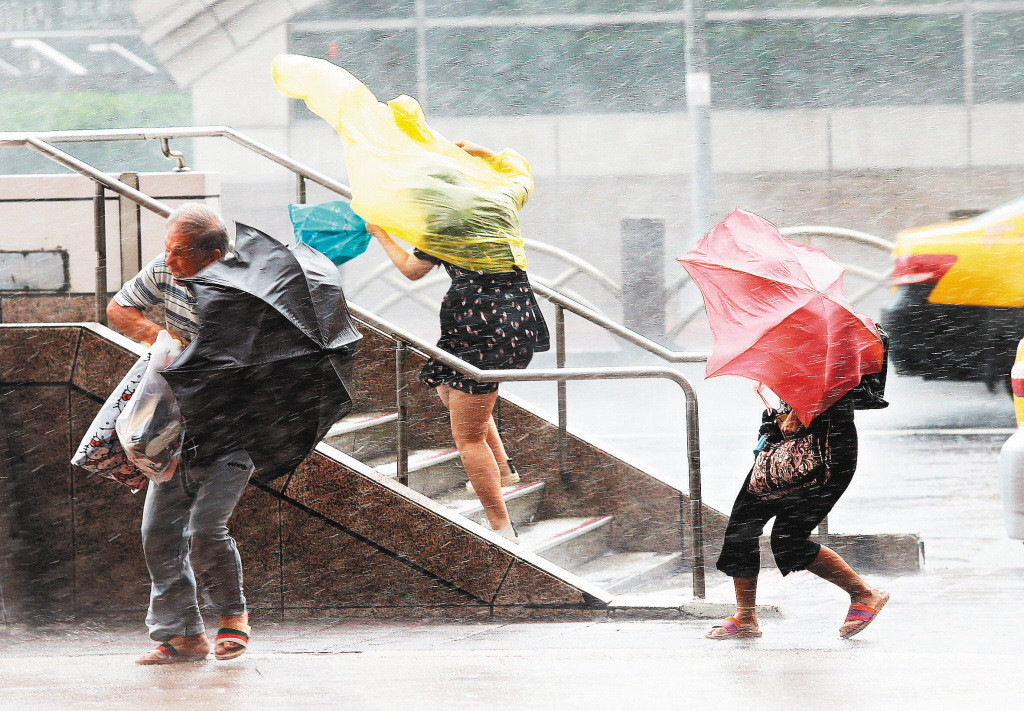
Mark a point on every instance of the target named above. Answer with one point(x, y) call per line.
point(331, 228)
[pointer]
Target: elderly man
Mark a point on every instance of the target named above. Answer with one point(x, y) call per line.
point(184, 520)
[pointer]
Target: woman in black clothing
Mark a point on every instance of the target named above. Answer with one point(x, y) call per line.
point(492, 321)
point(799, 495)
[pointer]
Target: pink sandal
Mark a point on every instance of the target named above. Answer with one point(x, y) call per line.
point(732, 628)
point(862, 616)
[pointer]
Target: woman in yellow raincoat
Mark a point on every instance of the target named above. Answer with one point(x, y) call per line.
point(491, 320)
point(458, 205)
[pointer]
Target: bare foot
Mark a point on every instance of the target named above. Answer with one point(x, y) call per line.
point(870, 598)
point(190, 648)
point(229, 649)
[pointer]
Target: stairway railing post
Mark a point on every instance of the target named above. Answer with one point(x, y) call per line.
point(99, 221)
point(563, 443)
point(401, 425)
point(696, 502)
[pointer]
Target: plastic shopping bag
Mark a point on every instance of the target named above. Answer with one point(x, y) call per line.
point(149, 427)
point(409, 179)
point(100, 451)
point(331, 228)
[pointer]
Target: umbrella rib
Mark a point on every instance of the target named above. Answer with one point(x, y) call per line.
point(214, 281)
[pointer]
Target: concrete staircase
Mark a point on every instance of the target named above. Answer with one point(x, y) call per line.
point(579, 544)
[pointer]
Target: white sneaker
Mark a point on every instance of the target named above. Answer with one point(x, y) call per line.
point(509, 532)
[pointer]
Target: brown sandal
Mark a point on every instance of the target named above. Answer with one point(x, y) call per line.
point(231, 635)
point(165, 653)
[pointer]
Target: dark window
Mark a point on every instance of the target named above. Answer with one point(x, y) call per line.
point(357, 10)
point(999, 57)
point(762, 64)
point(856, 62)
point(556, 70)
point(383, 60)
point(464, 8)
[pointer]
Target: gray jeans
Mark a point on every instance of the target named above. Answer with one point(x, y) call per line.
point(184, 534)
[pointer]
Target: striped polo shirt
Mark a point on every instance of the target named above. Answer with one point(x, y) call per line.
point(155, 286)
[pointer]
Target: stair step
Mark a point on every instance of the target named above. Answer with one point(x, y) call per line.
point(568, 542)
point(360, 421)
point(365, 435)
point(431, 471)
point(522, 501)
point(621, 572)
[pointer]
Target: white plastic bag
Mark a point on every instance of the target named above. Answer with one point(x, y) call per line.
point(100, 451)
point(149, 427)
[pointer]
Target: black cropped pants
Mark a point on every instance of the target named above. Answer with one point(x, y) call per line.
point(796, 515)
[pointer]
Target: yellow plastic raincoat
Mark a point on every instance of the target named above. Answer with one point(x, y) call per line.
point(409, 179)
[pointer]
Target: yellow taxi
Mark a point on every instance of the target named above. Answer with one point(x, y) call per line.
point(957, 306)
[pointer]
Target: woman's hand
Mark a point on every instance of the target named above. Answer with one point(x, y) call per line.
point(377, 232)
point(475, 149)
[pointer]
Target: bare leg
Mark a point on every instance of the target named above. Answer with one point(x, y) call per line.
point(746, 600)
point(471, 419)
point(744, 622)
point(831, 567)
point(497, 447)
point(493, 438)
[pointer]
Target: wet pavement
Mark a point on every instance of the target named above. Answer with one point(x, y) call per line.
point(947, 639)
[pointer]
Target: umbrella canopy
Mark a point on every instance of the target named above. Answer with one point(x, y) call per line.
point(778, 315)
point(264, 373)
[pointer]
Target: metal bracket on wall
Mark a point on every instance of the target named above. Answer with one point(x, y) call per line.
point(165, 148)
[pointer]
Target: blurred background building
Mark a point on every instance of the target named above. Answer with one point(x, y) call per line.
point(862, 114)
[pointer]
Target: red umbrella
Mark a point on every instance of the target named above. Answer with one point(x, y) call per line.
point(778, 315)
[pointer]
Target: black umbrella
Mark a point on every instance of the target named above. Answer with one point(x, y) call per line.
point(264, 373)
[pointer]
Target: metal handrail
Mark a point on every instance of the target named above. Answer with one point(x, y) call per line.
point(41, 138)
point(628, 335)
point(403, 338)
point(404, 289)
point(828, 231)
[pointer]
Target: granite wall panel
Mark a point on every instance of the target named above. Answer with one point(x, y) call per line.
point(397, 524)
point(327, 568)
point(100, 365)
point(47, 308)
point(42, 521)
point(37, 355)
point(387, 552)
